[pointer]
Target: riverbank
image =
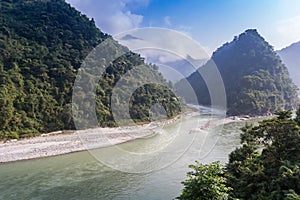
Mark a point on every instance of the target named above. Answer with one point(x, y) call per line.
point(59, 142)
point(214, 123)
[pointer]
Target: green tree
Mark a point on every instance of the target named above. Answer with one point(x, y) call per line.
point(266, 166)
point(205, 182)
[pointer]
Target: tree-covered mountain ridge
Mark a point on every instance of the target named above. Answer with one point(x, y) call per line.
point(42, 46)
point(290, 56)
point(255, 79)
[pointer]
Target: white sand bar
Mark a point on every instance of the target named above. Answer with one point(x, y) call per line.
point(57, 143)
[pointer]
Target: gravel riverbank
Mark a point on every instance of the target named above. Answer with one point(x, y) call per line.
point(56, 143)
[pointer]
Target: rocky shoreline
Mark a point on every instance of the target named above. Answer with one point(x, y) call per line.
point(63, 142)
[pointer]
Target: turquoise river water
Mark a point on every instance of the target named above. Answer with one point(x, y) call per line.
point(155, 171)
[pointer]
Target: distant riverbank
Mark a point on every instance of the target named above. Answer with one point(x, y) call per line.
point(58, 143)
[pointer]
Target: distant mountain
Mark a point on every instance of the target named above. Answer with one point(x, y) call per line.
point(291, 58)
point(255, 79)
point(177, 69)
point(182, 68)
point(42, 46)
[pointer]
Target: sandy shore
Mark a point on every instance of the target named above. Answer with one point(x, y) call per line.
point(214, 123)
point(57, 144)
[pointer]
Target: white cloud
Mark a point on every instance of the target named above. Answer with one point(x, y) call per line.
point(289, 29)
point(111, 16)
point(167, 20)
point(164, 47)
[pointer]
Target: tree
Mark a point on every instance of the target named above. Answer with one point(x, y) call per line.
point(266, 166)
point(205, 182)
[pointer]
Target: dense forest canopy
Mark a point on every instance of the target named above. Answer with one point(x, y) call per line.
point(255, 79)
point(42, 45)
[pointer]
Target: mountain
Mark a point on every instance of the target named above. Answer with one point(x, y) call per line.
point(176, 69)
point(291, 58)
point(255, 79)
point(181, 68)
point(43, 44)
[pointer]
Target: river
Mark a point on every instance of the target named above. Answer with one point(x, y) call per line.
point(148, 169)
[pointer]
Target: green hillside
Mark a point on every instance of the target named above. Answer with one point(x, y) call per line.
point(255, 79)
point(42, 45)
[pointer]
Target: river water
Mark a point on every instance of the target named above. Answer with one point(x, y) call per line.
point(150, 168)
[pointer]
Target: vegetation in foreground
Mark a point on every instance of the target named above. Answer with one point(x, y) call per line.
point(265, 166)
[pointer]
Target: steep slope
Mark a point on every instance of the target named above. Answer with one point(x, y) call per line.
point(291, 58)
point(42, 45)
point(255, 79)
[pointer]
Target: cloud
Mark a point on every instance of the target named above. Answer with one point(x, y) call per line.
point(165, 48)
point(289, 29)
point(177, 55)
point(167, 20)
point(112, 16)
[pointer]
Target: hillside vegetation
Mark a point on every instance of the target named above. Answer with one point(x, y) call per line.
point(42, 45)
point(255, 79)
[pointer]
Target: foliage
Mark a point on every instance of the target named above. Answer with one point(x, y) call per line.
point(42, 46)
point(255, 79)
point(206, 181)
point(266, 166)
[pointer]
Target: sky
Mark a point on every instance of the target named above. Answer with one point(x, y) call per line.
point(209, 22)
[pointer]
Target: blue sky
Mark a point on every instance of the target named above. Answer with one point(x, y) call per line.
point(210, 22)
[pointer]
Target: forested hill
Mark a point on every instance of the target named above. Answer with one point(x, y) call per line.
point(42, 45)
point(290, 57)
point(255, 79)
